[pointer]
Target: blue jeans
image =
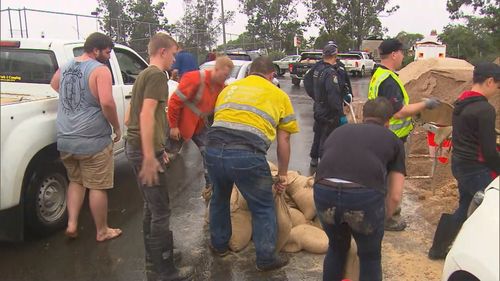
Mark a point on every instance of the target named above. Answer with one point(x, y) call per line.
point(471, 177)
point(250, 172)
point(356, 211)
point(156, 211)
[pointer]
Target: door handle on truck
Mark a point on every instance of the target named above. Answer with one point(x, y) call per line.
point(128, 96)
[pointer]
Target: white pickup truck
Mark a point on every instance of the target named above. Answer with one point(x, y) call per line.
point(357, 63)
point(33, 180)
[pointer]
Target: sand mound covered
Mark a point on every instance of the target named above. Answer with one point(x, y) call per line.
point(442, 78)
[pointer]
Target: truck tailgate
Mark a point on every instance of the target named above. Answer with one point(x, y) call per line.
point(9, 99)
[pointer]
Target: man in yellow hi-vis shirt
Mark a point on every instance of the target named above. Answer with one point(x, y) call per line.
point(249, 115)
point(385, 82)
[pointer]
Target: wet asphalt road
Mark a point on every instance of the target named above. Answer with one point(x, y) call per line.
point(55, 258)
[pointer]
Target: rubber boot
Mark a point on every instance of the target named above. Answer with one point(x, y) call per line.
point(446, 232)
point(162, 257)
point(151, 274)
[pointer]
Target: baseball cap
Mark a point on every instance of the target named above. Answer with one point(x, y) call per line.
point(330, 48)
point(390, 45)
point(487, 70)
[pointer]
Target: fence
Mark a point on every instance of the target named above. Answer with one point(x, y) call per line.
point(27, 23)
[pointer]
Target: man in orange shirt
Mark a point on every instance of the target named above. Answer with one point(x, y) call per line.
point(192, 104)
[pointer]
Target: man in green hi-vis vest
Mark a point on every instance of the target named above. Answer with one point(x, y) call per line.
point(385, 82)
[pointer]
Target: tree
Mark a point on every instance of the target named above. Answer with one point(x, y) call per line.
point(132, 22)
point(479, 38)
point(273, 21)
point(361, 18)
point(356, 18)
point(409, 39)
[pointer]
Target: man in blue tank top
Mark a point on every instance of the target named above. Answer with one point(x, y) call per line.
point(85, 111)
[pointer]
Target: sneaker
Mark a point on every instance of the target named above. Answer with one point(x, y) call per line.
point(220, 253)
point(280, 261)
point(394, 225)
point(314, 162)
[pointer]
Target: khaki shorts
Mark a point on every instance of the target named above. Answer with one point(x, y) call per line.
point(94, 171)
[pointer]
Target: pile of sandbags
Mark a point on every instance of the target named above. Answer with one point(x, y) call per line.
point(298, 225)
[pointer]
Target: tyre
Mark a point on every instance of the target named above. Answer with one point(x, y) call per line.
point(45, 199)
point(278, 70)
point(296, 82)
point(362, 73)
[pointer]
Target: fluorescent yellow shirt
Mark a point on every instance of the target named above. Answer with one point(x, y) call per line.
point(255, 105)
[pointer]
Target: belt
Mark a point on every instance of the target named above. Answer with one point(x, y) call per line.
point(232, 146)
point(340, 185)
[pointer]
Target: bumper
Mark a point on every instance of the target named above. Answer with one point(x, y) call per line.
point(12, 224)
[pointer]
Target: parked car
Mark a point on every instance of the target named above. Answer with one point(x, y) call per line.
point(33, 179)
point(299, 68)
point(357, 63)
point(241, 70)
point(282, 64)
point(474, 255)
point(239, 56)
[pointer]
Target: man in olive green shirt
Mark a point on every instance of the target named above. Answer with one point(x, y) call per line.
point(145, 151)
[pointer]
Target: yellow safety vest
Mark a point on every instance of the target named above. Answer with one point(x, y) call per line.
point(255, 105)
point(401, 127)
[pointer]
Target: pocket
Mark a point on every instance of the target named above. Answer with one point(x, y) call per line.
point(249, 163)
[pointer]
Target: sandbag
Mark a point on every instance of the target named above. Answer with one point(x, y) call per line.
point(315, 222)
point(237, 200)
point(295, 182)
point(304, 198)
point(283, 220)
point(289, 201)
point(272, 166)
point(308, 238)
point(297, 217)
point(352, 263)
point(241, 225)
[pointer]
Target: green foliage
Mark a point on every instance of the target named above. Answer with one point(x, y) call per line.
point(357, 19)
point(342, 39)
point(273, 21)
point(276, 55)
point(409, 39)
point(132, 22)
point(479, 38)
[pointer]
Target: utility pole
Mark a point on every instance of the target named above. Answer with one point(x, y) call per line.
point(223, 24)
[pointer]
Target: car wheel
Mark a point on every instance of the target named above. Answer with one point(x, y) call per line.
point(296, 82)
point(362, 73)
point(277, 70)
point(45, 199)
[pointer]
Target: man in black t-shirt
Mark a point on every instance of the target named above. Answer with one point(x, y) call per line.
point(356, 195)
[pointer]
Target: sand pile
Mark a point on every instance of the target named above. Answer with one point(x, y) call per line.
point(441, 78)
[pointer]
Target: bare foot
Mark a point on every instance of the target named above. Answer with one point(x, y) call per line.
point(71, 232)
point(110, 233)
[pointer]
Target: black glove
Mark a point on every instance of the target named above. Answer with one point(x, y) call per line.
point(431, 103)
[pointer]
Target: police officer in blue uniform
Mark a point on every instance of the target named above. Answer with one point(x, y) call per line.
point(327, 82)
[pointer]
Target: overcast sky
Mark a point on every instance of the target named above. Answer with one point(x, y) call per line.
point(413, 16)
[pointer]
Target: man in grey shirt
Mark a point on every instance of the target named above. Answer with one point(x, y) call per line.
point(85, 111)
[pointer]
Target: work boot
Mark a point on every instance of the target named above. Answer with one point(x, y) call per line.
point(446, 232)
point(279, 262)
point(314, 162)
point(151, 275)
point(162, 257)
point(394, 225)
